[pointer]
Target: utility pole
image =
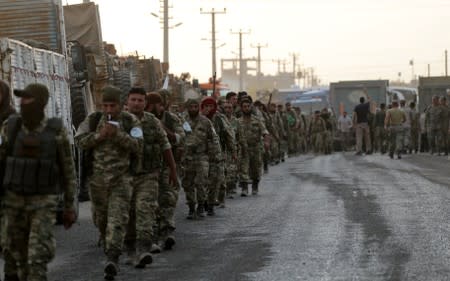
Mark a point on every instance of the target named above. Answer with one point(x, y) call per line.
point(258, 65)
point(446, 63)
point(166, 30)
point(428, 70)
point(241, 65)
point(294, 65)
point(213, 35)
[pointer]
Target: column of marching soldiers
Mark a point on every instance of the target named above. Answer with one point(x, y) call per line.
point(140, 150)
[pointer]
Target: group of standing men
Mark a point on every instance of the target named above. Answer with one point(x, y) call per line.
point(399, 128)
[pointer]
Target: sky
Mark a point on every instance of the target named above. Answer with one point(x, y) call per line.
point(340, 39)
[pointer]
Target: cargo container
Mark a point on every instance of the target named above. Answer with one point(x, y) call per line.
point(37, 22)
point(345, 95)
point(430, 86)
point(21, 64)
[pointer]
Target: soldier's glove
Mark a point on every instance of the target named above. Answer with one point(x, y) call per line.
point(69, 218)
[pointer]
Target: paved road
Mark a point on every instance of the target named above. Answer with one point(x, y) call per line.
point(336, 217)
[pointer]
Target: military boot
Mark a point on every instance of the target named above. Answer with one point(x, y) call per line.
point(169, 239)
point(143, 256)
point(255, 187)
point(200, 211)
point(244, 189)
point(210, 210)
point(130, 250)
point(191, 215)
point(111, 267)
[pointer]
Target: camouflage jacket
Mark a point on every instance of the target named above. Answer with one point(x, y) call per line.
point(202, 140)
point(225, 133)
point(253, 130)
point(155, 143)
point(65, 163)
point(317, 125)
point(111, 156)
point(433, 118)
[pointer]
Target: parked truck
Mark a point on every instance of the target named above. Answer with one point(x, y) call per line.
point(430, 86)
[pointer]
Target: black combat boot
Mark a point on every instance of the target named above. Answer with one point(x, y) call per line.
point(266, 167)
point(244, 189)
point(210, 210)
point(169, 239)
point(130, 250)
point(255, 187)
point(143, 256)
point(112, 267)
point(191, 215)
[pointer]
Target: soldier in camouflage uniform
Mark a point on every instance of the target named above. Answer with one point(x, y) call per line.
point(168, 193)
point(328, 134)
point(254, 132)
point(445, 125)
point(317, 128)
point(145, 182)
point(284, 140)
point(291, 126)
point(277, 122)
point(433, 120)
point(380, 136)
point(6, 110)
point(37, 156)
point(415, 128)
point(201, 143)
point(217, 185)
point(301, 145)
point(267, 120)
point(115, 138)
point(231, 165)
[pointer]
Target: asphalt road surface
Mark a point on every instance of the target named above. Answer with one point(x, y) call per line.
point(334, 217)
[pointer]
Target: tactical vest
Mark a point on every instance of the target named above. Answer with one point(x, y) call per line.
point(152, 151)
point(31, 166)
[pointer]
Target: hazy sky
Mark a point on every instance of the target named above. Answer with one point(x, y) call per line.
point(341, 39)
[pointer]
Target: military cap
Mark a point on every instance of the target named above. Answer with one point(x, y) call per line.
point(35, 90)
point(111, 94)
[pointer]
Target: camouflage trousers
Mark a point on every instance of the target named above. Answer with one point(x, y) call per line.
point(317, 142)
point(195, 180)
point(292, 142)
point(414, 145)
point(396, 139)
point(110, 198)
point(283, 148)
point(406, 137)
point(275, 150)
point(255, 163)
point(143, 208)
point(10, 267)
point(434, 138)
point(231, 169)
point(27, 234)
point(380, 139)
point(167, 201)
point(301, 146)
point(216, 181)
